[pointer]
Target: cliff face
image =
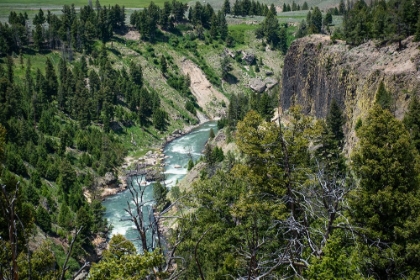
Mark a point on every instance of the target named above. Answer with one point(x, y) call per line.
point(316, 71)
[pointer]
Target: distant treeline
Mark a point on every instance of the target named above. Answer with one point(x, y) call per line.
point(392, 21)
point(295, 7)
point(70, 30)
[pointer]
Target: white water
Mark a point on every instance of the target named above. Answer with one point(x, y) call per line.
point(178, 153)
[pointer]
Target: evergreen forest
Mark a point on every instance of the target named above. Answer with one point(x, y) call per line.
point(278, 198)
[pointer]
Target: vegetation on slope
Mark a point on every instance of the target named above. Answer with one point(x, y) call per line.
point(76, 96)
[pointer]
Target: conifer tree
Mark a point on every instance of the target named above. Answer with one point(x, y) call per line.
point(282, 44)
point(163, 65)
point(342, 7)
point(302, 30)
point(417, 35)
point(315, 23)
point(211, 134)
point(223, 26)
point(412, 121)
point(51, 83)
point(226, 67)
point(335, 122)
point(270, 28)
point(384, 206)
point(383, 97)
point(38, 37)
point(273, 9)
point(226, 7)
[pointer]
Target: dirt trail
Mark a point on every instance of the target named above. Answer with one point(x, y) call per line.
point(208, 97)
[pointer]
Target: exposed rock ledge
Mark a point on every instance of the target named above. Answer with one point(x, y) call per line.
point(316, 71)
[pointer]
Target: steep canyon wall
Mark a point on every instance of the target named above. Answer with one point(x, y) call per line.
point(316, 71)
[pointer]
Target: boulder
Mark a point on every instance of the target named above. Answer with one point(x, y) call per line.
point(249, 58)
point(257, 85)
point(230, 53)
point(270, 82)
point(109, 180)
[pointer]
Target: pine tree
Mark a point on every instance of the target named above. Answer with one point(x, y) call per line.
point(226, 67)
point(383, 97)
point(43, 219)
point(315, 23)
point(305, 6)
point(223, 26)
point(163, 65)
point(160, 119)
point(273, 9)
point(136, 74)
point(385, 203)
point(226, 7)
point(335, 122)
point(282, 44)
point(327, 19)
point(412, 121)
point(331, 142)
point(211, 134)
point(159, 194)
point(52, 82)
point(417, 35)
point(271, 27)
point(38, 37)
point(214, 24)
point(302, 30)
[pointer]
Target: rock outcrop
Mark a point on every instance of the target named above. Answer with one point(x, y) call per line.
point(316, 71)
point(259, 85)
point(249, 58)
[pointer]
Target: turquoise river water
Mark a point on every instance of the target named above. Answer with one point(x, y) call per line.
point(178, 154)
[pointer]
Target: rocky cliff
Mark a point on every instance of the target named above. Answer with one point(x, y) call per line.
point(316, 71)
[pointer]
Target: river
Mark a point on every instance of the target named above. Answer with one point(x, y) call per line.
point(178, 153)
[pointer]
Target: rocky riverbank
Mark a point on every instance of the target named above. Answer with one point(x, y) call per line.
point(150, 167)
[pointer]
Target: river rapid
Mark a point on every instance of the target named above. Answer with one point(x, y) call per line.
point(178, 152)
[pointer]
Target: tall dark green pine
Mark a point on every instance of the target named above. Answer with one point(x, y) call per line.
point(335, 122)
point(385, 206)
point(342, 7)
point(38, 37)
point(163, 65)
point(271, 27)
point(383, 97)
point(10, 66)
point(211, 134)
point(214, 24)
point(417, 35)
point(43, 219)
point(51, 77)
point(273, 9)
point(159, 193)
point(226, 7)
point(412, 121)
point(302, 30)
point(226, 67)
point(136, 74)
point(223, 27)
point(160, 119)
point(282, 45)
point(331, 142)
point(315, 23)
